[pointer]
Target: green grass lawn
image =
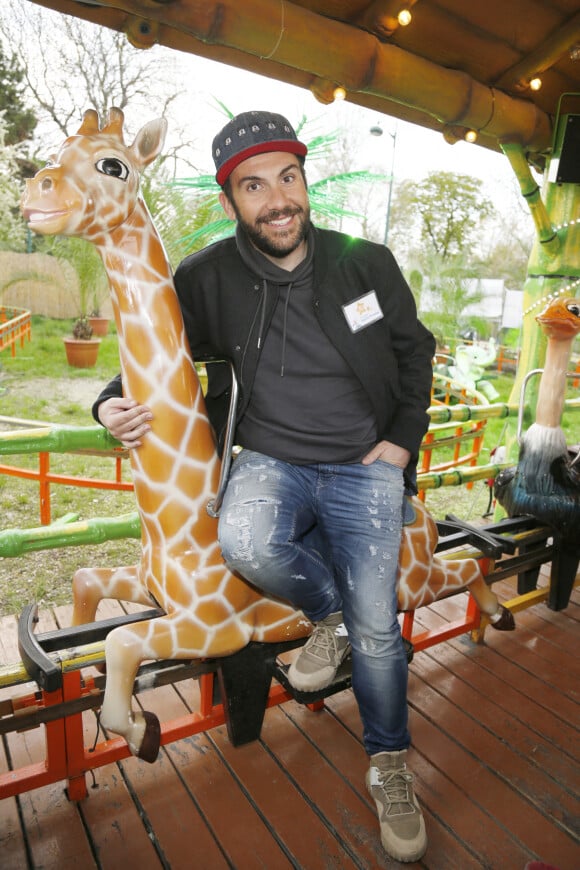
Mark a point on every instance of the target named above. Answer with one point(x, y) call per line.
point(45, 357)
point(38, 384)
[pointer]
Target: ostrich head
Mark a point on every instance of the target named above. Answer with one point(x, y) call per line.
point(560, 320)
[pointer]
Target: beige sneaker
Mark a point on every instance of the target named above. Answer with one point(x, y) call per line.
point(321, 655)
point(389, 782)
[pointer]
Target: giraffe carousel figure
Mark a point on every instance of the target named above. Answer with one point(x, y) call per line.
point(90, 189)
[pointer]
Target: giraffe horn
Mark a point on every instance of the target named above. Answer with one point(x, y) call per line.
point(90, 123)
point(115, 124)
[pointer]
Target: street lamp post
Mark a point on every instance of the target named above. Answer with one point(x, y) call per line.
point(377, 130)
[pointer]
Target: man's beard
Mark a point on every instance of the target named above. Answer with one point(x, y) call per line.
point(284, 244)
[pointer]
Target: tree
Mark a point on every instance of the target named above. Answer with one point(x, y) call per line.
point(447, 294)
point(452, 209)
point(12, 229)
point(84, 66)
point(505, 249)
point(175, 213)
point(19, 120)
point(438, 226)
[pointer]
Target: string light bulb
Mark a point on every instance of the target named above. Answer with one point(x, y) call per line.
point(536, 83)
point(339, 93)
point(471, 136)
point(404, 17)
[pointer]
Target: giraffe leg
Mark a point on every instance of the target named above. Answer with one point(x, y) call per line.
point(123, 652)
point(91, 585)
point(499, 616)
point(166, 637)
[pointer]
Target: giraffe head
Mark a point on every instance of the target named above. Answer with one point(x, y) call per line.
point(92, 185)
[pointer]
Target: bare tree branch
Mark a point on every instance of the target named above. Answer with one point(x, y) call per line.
point(72, 65)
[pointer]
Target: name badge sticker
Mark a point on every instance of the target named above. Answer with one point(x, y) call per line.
point(363, 311)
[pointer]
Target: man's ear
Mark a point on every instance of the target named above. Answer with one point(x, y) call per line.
point(227, 206)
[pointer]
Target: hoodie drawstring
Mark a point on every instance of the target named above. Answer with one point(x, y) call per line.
point(286, 301)
point(284, 321)
point(262, 312)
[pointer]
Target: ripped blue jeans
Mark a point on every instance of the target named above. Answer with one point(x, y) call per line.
point(326, 538)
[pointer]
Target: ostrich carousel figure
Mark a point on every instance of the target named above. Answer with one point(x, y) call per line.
point(90, 189)
point(546, 481)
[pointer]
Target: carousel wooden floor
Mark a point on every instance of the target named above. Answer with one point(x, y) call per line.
point(495, 752)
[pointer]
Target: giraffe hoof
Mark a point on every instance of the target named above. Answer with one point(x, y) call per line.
point(149, 749)
point(506, 621)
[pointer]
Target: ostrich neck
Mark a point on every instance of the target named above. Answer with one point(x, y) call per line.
point(552, 390)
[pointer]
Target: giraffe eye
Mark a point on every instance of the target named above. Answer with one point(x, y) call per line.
point(114, 167)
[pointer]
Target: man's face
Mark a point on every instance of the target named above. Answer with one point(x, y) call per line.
point(270, 202)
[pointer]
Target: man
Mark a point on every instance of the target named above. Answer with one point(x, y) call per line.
point(335, 377)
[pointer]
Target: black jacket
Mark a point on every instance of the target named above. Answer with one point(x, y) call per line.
point(221, 302)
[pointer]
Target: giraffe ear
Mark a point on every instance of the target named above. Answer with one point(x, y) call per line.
point(149, 141)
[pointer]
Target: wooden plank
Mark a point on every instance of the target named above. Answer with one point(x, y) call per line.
point(12, 840)
point(343, 806)
point(54, 830)
point(496, 762)
point(499, 659)
point(141, 813)
point(489, 843)
point(444, 851)
point(301, 833)
point(326, 729)
point(500, 663)
point(118, 834)
point(556, 674)
point(168, 799)
point(244, 838)
point(53, 825)
point(502, 827)
point(517, 689)
point(505, 710)
point(461, 766)
point(534, 636)
point(9, 654)
point(532, 786)
point(554, 631)
point(446, 806)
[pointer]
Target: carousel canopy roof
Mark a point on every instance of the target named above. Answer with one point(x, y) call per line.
point(465, 69)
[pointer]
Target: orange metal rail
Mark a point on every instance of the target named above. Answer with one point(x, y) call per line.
point(45, 478)
point(66, 755)
point(468, 433)
point(15, 326)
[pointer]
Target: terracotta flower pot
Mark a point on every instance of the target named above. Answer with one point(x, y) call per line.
point(99, 325)
point(82, 353)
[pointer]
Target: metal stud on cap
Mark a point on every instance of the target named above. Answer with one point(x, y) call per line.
point(252, 133)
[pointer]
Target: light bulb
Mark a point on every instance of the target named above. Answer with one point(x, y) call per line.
point(339, 93)
point(536, 83)
point(471, 136)
point(404, 17)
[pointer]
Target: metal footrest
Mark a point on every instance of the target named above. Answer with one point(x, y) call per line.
point(34, 648)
